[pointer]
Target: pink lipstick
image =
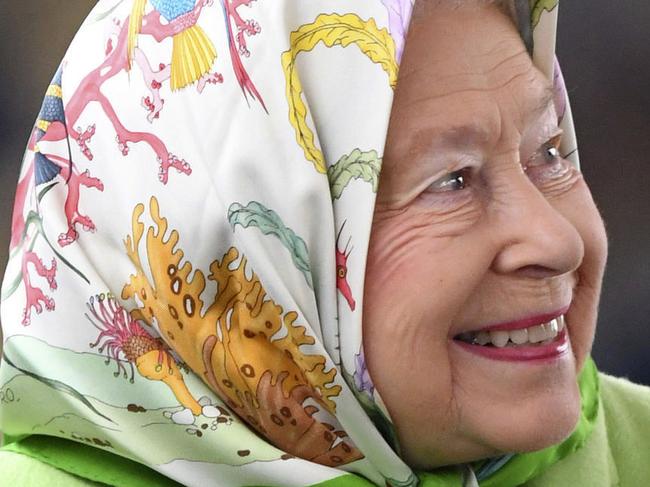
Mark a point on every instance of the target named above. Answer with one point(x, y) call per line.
point(521, 353)
point(542, 337)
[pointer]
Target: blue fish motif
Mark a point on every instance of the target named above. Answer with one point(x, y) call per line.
point(172, 9)
point(51, 111)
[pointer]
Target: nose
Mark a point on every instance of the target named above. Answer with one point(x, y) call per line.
point(536, 239)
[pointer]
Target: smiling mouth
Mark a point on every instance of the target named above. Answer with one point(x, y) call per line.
point(536, 335)
point(537, 343)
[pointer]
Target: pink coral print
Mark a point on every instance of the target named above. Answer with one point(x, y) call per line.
point(191, 61)
point(238, 46)
point(49, 139)
point(45, 167)
point(193, 53)
point(89, 90)
point(36, 298)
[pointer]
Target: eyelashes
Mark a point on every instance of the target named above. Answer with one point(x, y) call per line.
point(544, 166)
point(548, 153)
point(454, 181)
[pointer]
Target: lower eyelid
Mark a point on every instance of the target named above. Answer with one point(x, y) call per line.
point(553, 181)
point(448, 200)
point(451, 217)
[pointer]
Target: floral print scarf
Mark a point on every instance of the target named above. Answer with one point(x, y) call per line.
point(189, 241)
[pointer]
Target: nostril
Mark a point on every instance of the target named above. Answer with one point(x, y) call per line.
point(537, 271)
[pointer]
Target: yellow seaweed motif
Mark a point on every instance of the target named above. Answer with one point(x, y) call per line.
point(232, 344)
point(332, 30)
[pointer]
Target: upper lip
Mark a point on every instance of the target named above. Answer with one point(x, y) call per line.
point(526, 322)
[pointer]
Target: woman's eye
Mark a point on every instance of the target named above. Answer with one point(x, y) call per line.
point(454, 181)
point(548, 170)
point(548, 153)
point(551, 153)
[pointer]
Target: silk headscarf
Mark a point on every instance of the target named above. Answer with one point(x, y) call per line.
point(189, 241)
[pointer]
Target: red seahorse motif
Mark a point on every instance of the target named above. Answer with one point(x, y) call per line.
point(342, 270)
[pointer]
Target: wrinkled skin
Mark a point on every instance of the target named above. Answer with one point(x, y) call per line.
point(475, 224)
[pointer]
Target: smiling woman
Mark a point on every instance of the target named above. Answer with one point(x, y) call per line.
point(331, 275)
point(499, 240)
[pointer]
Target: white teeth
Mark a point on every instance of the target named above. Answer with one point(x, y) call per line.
point(519, 336)
point(536, 334)
point(544, 333)
point(483, 338)
point(499, 338)
point(551, 328)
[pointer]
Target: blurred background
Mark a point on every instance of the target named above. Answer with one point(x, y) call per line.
point(604, 50)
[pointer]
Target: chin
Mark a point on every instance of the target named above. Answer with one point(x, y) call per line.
point(538, 421)
point(533, 414)
point(504, 408)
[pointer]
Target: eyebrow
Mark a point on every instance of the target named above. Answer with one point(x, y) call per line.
point(475, 134)
point(547, 99)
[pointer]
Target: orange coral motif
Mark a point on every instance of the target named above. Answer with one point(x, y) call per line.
point(269, 382)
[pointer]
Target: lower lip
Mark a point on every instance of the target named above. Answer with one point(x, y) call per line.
point(547, 352)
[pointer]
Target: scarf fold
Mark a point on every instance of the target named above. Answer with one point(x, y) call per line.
point(189, 239)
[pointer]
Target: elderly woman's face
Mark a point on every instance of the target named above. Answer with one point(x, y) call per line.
point(478, 223)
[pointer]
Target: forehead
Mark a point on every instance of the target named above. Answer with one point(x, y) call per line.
point(466, 72)
point(473, 39)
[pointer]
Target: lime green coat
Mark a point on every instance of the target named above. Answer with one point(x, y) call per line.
point(617, 453)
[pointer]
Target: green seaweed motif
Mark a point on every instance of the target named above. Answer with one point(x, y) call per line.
point(537, 7)
point(356, 165)
point(269, 222)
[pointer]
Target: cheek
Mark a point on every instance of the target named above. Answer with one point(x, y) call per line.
point(580, 209)
point(418, 278)
point(419, 270)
